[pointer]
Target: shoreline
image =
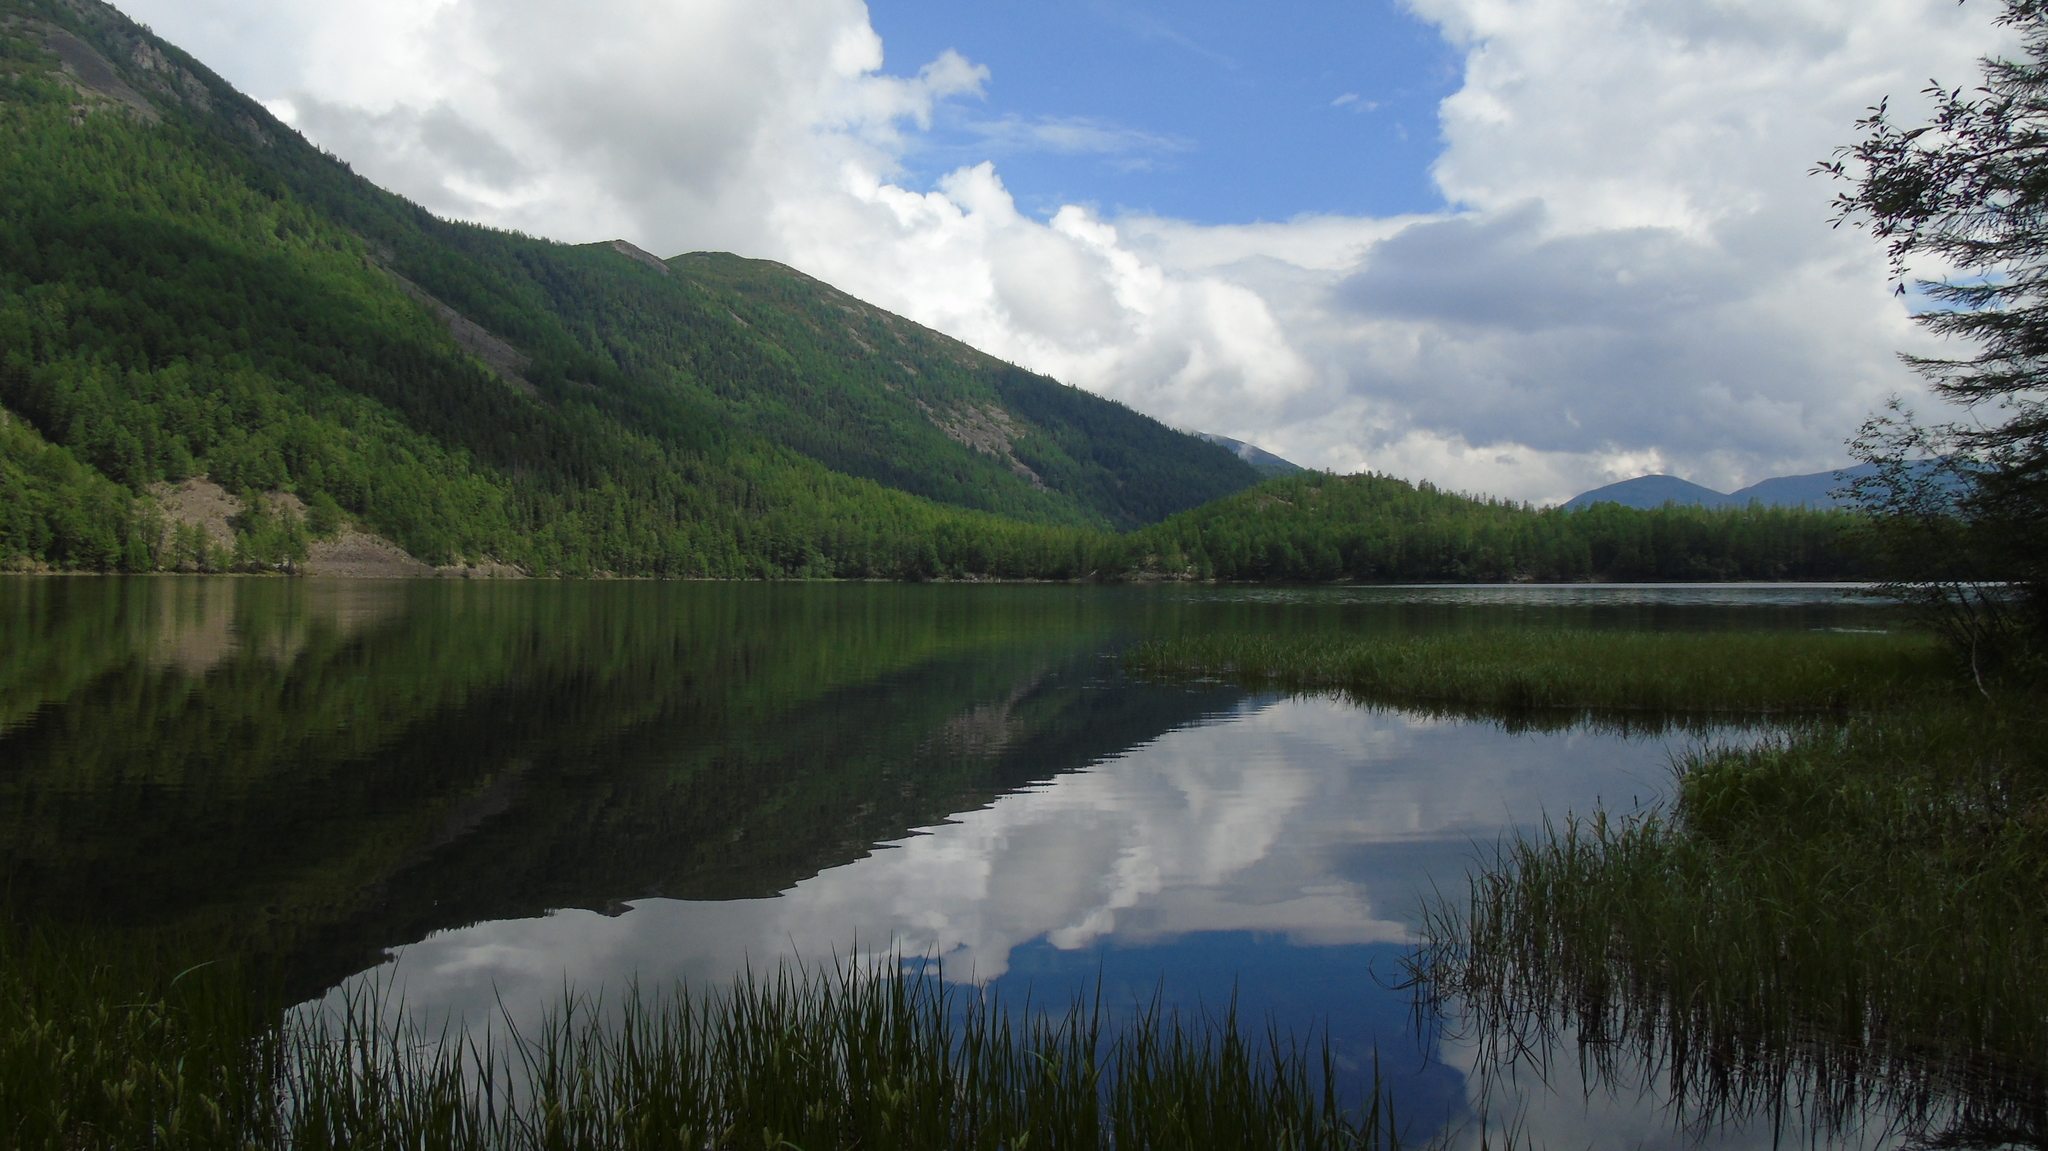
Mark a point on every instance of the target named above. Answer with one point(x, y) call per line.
point(478, 573)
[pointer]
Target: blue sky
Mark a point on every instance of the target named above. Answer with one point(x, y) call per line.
point(1203, 111)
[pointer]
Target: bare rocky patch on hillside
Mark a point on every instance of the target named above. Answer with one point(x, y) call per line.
point(498, 355)
point(986, 428)
point(200, 506)
point(201, 503)
point(357, 554)
point(638, 255)
point(353, 554)
point(96, 80)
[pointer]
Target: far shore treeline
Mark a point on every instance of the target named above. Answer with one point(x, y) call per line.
point(190, 289)
point(59, 513)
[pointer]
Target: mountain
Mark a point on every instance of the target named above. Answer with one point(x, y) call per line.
point(874, 395)
point(1814, 490)
point(192, 294)
point(1650, 492)
point(222, 349)
point(1269, 465)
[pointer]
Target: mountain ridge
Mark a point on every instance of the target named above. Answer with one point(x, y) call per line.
point(188, 287)
point(190, 291)
point(1268, 464)
point(1811, 490)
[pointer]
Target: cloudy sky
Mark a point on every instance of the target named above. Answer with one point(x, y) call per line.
point(1522, 247)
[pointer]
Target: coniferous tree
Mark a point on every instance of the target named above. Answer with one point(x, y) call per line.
point(1966, 195)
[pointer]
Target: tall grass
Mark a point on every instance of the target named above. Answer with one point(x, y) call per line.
point(98, 1053)
point(1827, 925)
point(120, 1046)
point(1755, 672)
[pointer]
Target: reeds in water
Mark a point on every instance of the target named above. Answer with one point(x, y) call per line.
point(1829, 926)
point(850, 1057)
point(1509, 669)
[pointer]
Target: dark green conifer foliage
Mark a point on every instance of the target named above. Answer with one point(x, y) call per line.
point(1312, 526)
point(1967, 193)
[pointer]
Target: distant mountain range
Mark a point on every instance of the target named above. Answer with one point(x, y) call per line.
point(1269, 465)
point(1814, 490)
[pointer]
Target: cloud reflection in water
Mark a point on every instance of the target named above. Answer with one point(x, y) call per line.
point(1305, 818)
point(1277, 856)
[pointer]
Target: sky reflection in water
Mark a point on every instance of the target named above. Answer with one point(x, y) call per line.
point(1279, 853)
point(314, 772)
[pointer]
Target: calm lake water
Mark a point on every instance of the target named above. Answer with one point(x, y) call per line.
point(476, 792)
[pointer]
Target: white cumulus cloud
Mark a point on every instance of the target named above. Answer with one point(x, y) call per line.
point(1635, 271)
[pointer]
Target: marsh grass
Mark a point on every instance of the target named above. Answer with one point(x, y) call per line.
point(1826, 926)
point(100, 1052)
point(1510, 670)
point(124, 1046)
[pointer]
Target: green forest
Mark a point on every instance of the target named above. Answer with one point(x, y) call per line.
point(1317, 527)
point(189, 288)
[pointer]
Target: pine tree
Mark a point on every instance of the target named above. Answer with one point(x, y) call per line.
point(1968, 192)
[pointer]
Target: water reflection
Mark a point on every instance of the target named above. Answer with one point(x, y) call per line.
point(1550, 1099)
point(322, 772)
point(1309, 819)
point(1276, 852)
point(514, 785)
point(1624, 595)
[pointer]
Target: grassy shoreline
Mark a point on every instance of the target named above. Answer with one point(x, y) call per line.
point(103, 1046)
point(1844, 919)
point(1825, 926)
point(1758, 672)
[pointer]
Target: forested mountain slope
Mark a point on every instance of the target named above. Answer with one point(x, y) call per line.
point(188, 287)
point(871, 394)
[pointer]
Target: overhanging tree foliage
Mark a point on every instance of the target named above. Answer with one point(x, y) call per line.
point(1967, 193)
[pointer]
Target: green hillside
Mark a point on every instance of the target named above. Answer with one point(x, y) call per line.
point(187, 287)
point(1315, 527)
point(779, 354)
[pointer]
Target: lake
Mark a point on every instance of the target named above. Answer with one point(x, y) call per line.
point(474, 793)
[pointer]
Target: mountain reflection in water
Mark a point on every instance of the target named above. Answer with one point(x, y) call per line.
point(514, 785)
